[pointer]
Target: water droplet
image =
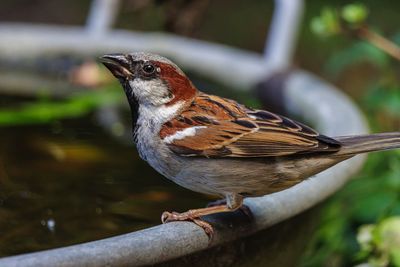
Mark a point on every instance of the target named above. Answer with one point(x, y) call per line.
point(51, 225)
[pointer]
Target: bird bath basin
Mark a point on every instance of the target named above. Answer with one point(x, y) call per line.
point(70, 182)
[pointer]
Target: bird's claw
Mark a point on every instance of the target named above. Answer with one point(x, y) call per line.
point(207, 227)
point(167, 217)
point(171, 217)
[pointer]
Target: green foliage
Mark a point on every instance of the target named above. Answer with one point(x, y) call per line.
point(327, 24)
point(358, 52)
point(362, 222)
point(333, 21)
point(354, 14)
point(371, 195)
point(46, 110)
point(380, 243)
point(384, 99)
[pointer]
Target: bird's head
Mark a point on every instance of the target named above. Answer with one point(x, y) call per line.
point(150, 79)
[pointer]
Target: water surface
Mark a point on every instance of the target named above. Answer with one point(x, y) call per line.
point(70, 182)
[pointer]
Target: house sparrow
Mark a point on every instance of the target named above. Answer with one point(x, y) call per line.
point(217, 146)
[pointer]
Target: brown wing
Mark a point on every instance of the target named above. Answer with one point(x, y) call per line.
point(218, 127)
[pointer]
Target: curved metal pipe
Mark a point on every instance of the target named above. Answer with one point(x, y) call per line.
point(101, 16)
point(281, 40)
point(229, 65)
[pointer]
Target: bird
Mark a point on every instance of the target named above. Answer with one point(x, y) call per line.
point(217, 146)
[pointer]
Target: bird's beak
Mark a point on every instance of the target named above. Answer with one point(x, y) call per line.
point(118, 64)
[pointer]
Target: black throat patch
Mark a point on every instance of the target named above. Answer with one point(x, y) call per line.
point(133, 103)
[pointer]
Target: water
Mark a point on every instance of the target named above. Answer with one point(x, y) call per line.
point(70, 182)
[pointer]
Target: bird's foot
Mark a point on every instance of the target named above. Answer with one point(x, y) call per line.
point(195, 214)
point(167, 217)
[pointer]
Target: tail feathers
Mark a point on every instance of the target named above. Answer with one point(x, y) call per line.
point(357, 144)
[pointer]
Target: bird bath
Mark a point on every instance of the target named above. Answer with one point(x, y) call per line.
point(282, 221)
point(301, 94)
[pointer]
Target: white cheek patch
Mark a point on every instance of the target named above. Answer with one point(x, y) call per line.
point(150, 91)
point(182, 134)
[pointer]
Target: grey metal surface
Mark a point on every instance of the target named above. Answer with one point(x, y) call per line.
point(281, 41)
point(101, 16)
point(231, 66)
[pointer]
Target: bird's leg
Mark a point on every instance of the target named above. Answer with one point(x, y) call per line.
point(233, 202)
point(217, 203)
point(243, 208)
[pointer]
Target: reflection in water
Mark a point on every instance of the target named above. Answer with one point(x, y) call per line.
point(71, 183)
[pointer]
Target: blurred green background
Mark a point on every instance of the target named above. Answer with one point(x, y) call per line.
point(65, 180)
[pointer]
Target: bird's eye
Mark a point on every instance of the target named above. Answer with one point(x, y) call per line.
point(148, 69)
